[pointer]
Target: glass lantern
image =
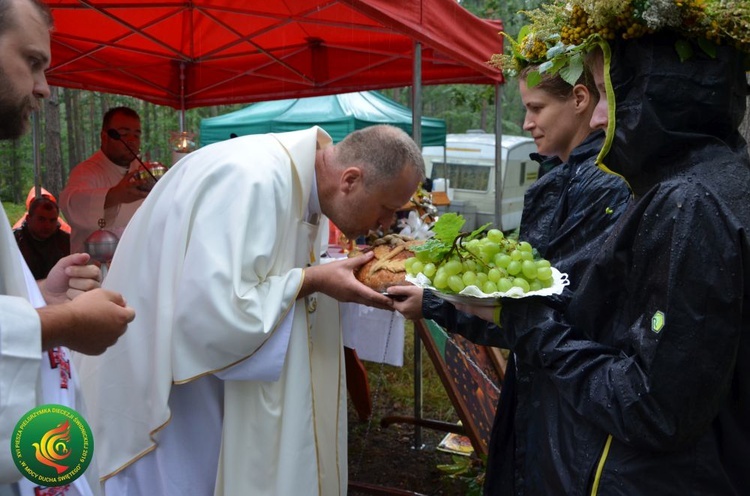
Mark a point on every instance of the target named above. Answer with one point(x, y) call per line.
point(182, 143)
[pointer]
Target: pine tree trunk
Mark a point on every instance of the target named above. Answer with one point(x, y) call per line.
point(53, 179)
point(15, 167)
point(95, 119)
point(72, 100)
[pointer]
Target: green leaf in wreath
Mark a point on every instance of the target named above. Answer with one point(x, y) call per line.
point(572, 71)
point(708, 47)
point(523, 32)
point(515, 48)
point(533, 78)
point(684, 49)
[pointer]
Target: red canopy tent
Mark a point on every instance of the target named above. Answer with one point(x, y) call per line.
point(188, 54)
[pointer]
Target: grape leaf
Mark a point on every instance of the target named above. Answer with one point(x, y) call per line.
point(477, 232)
point(433, 248)
point(448, 227)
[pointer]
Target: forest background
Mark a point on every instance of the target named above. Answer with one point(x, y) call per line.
point(70, 120)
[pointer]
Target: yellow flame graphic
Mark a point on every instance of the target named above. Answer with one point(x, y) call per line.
point(53, 447)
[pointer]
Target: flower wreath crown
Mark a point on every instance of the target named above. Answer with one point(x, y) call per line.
point(562, 32)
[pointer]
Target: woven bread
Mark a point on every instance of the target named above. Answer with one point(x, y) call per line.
point(387, 266)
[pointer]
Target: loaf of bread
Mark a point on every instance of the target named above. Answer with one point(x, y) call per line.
point(387, 266)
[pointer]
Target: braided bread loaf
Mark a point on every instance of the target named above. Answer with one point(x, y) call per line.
point(387, 267)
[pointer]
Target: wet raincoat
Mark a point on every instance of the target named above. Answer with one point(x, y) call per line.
point(567, 214)
point(647, 372)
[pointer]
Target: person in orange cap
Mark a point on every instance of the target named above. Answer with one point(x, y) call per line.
point(41, 240)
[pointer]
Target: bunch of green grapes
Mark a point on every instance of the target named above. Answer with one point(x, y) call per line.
point(493, 263)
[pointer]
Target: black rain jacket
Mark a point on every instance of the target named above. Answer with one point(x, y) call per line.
point(647, 372)
point(568, 212)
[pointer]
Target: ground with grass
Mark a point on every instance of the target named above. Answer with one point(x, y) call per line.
point(387, 456)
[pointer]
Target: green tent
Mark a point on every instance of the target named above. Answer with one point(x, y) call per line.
point(339, 115)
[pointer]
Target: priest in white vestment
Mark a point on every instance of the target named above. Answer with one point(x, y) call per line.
point(231, 380)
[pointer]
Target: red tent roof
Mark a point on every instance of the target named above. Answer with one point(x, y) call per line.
point(187, 54)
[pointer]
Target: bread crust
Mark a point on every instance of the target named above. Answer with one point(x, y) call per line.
point(387, 268)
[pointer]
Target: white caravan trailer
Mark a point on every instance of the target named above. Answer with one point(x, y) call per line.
point(467, 165)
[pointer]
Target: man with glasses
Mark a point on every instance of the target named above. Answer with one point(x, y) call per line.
point(105, 185)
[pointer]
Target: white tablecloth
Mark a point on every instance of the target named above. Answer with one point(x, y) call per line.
point(377, 335)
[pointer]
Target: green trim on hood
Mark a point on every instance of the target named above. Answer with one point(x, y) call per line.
point(611, 105)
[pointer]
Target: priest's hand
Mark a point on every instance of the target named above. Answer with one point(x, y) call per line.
point(71, 276)
point(90, 324)
point(336, 279)
point(126, 191)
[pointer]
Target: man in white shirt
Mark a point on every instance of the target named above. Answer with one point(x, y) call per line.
point(89, 323)
point(105, 185)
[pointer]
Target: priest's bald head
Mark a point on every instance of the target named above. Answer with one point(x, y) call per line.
point(363, 180)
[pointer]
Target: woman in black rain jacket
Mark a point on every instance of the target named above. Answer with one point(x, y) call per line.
point(567, 215)
point(644, 379)
point(568, 212)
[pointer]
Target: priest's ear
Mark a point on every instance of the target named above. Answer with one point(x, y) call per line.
point(351, 178)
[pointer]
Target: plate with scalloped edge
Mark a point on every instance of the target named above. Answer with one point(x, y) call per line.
point(472, 295)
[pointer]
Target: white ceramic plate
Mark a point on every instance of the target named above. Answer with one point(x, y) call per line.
point(472, 295)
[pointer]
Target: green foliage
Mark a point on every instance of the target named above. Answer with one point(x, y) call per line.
point(14, 211)
point(472, 97)
point(463, 107)
point(469, 469)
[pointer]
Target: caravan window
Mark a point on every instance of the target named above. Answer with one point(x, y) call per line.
point(463, 176)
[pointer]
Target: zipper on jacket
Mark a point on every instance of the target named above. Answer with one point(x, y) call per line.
point(600, 466)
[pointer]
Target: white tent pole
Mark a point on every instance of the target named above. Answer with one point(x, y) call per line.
point(416, 119)
point(499, 179)
point(416, 113)
point(35, 152)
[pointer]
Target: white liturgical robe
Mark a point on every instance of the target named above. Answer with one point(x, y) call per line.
point(20, 347)
point(224, 383)
point(28, 376)
point(58, 384)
